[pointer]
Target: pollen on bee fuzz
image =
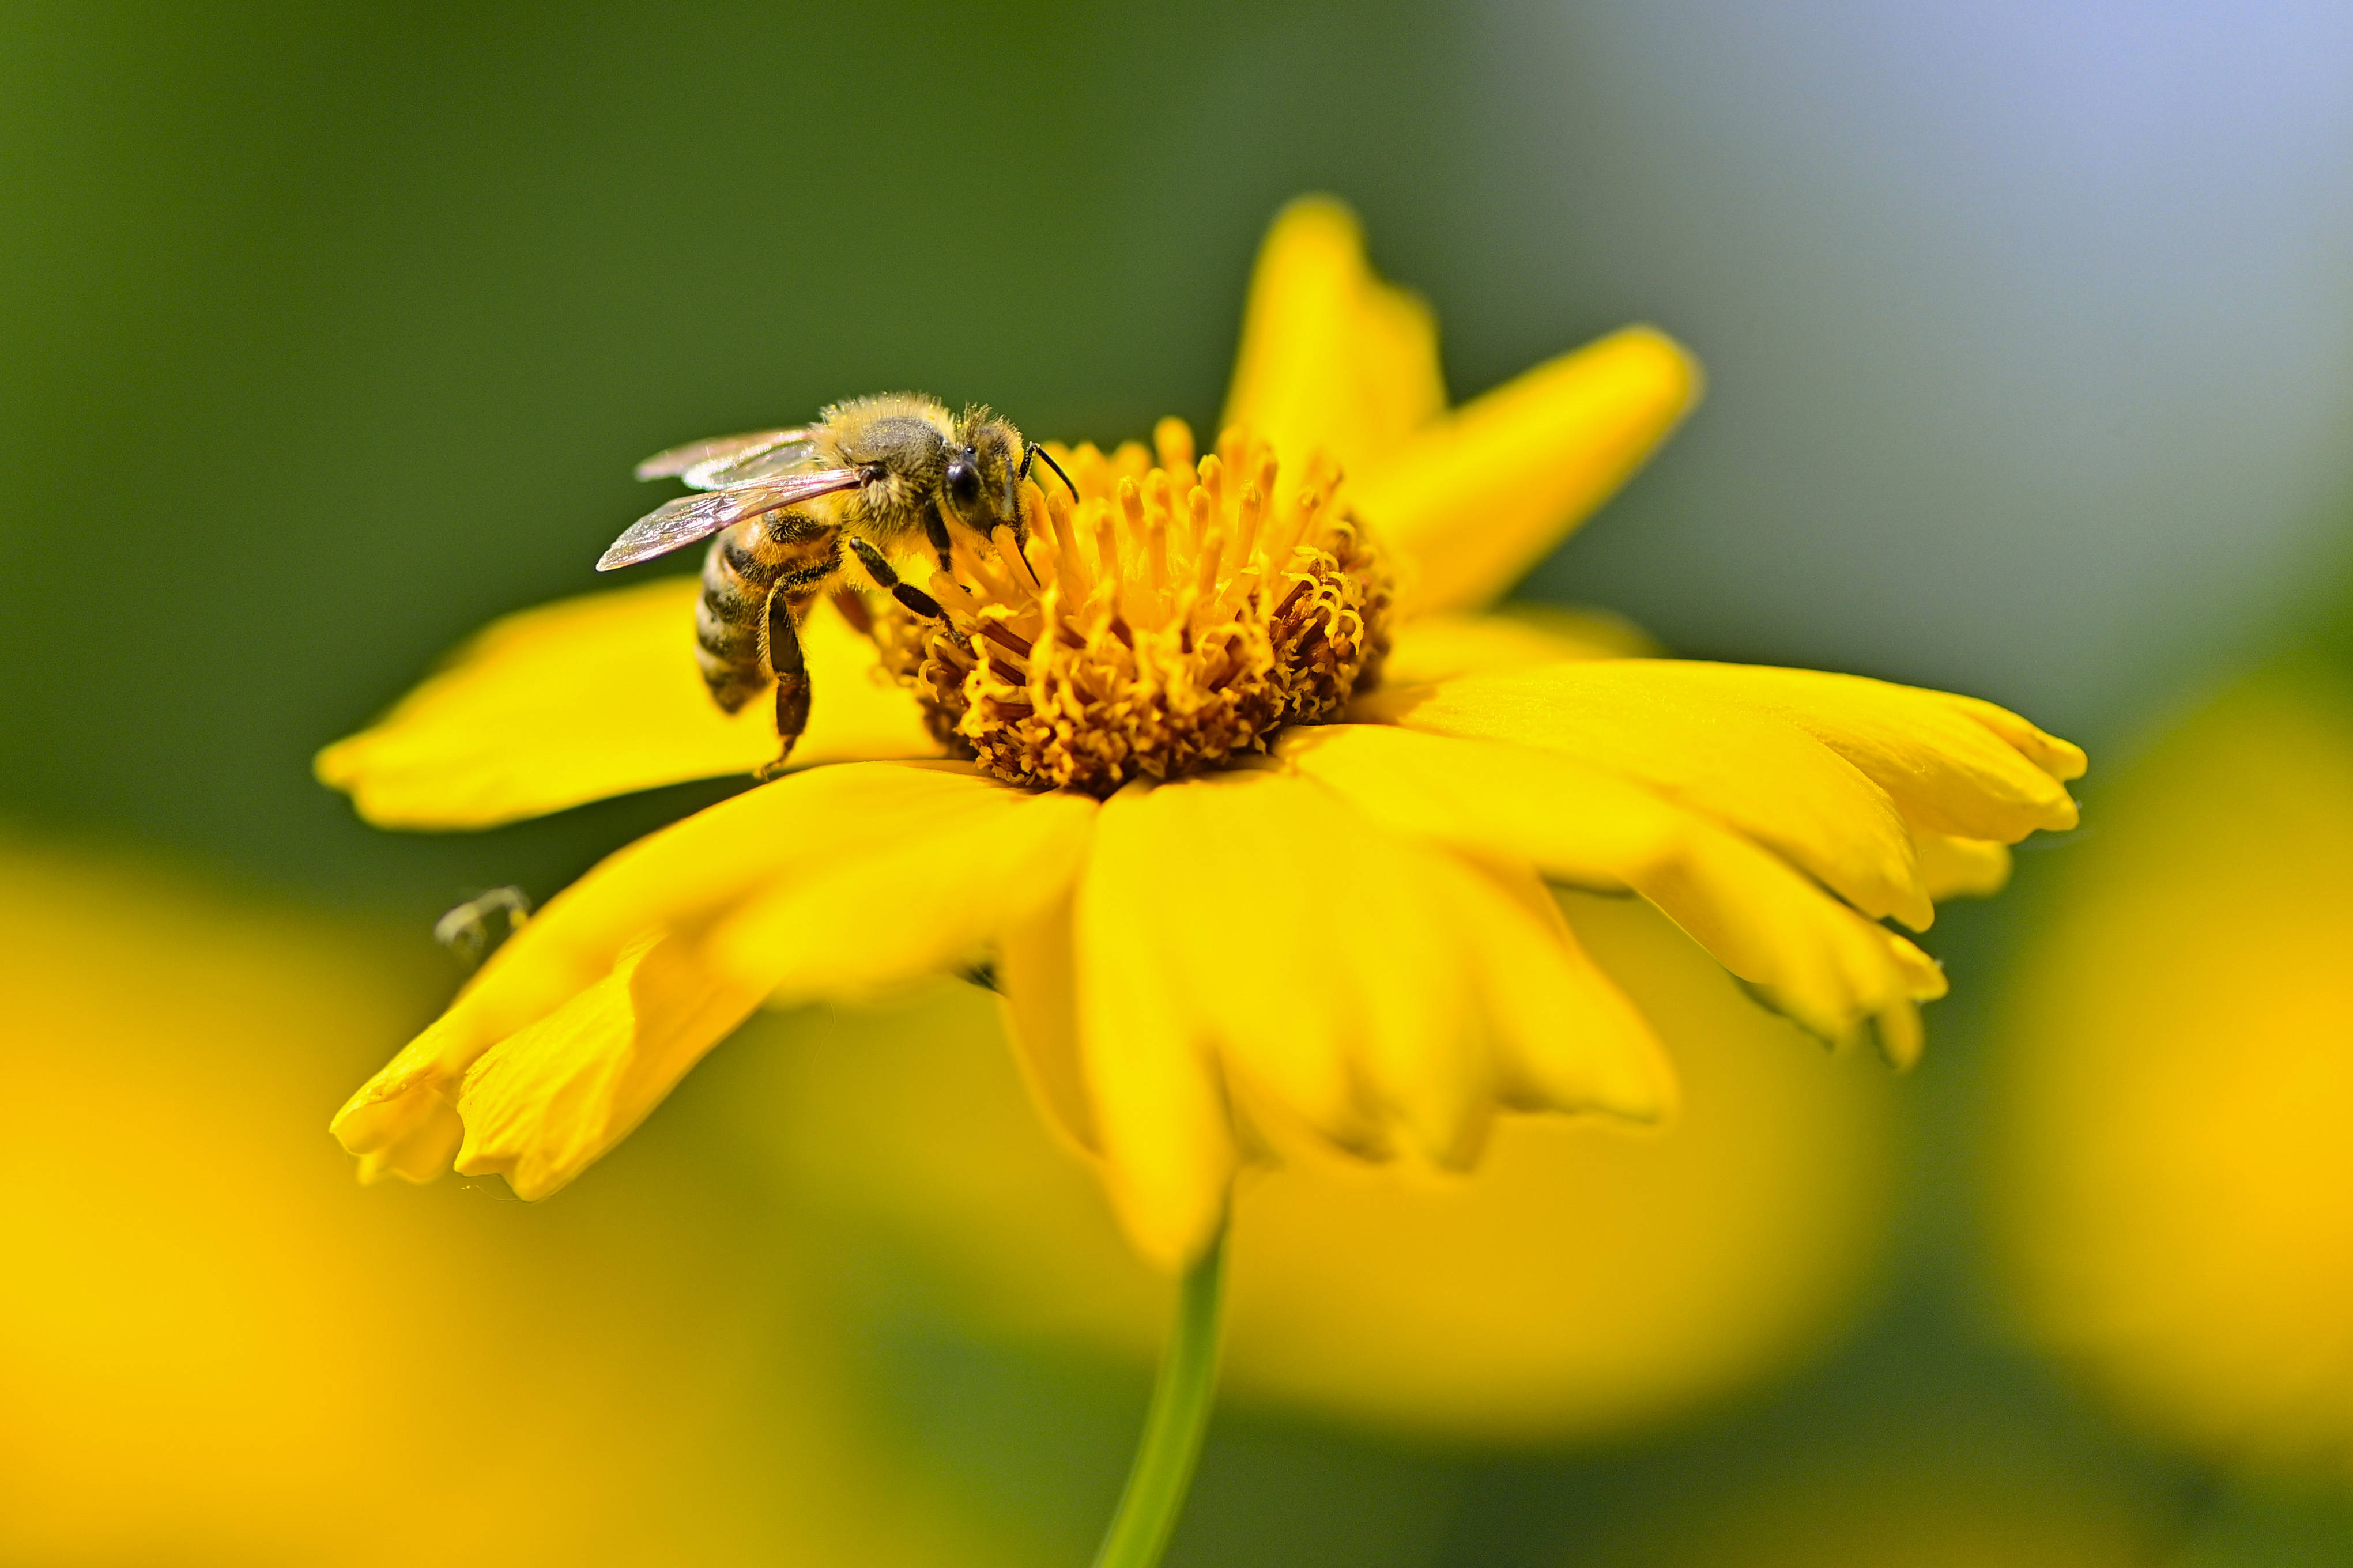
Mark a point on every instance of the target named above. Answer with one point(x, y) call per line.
point(1169, 620)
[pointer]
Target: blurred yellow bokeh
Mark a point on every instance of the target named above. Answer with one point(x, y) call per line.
point(216, 1348)
point(1584, 1281)
point(2174, 1177)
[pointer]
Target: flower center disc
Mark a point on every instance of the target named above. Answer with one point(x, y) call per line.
point(1171, 618)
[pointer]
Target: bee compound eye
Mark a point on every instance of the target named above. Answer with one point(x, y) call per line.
point(964, 482)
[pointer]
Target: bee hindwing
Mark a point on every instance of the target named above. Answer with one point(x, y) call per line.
point(683, 521)
point(754, 468)
point(717, 452)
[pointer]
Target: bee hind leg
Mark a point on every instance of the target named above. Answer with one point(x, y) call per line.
point(790, 669)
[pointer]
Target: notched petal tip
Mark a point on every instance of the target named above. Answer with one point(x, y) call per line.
point(2063, 759)
point(398, 1124)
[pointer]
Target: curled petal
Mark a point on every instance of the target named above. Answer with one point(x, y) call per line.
point(1812, 956)
point(1754, 769)
point(599, 696)
point(405, 1120)
point(1477, 497)
point(544, 1104)
point(1332, 358)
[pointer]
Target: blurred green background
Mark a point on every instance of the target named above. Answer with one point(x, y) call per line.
point(330, 333)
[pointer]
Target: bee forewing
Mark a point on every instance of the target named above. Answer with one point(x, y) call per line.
point(672, 525)
point(681, 522)
point(720, 449)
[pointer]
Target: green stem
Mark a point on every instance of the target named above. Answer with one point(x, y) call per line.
point(1177, 1420)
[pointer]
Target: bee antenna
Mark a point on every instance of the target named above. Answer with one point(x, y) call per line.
point(1033, 453)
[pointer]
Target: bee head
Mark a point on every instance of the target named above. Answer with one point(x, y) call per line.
point(982, 482)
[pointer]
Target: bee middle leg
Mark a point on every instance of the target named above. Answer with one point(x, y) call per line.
point(907, 593)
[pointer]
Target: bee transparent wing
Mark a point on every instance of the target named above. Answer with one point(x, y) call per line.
point(681, 522)
point(717, 452)
point(671, 526)
point(754, 468)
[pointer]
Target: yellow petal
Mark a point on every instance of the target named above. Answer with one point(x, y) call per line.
point(1308, 952)
point(404, 1121)
point(1960, 867)
point(1955, 765)
point(1430, 648)
point(1207, 872)
point(1814, 958)
point(1328, 979)
point(693, 872)
point(1398, 917)
point(1036, 979)
point(544, 1104)
point(1567, 1038)
point(599, 696)
point(928, 895)
point(1331, 357)
point(1757, 770)
point(1158, 1102)
point(1477, 497)
point(2061, 759)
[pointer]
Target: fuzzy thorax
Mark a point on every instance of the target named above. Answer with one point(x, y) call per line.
point(1170, 620)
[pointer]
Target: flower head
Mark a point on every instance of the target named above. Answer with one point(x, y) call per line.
point(1170, 621)
point(1250, 819)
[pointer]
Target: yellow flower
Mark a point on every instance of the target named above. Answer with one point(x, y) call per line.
point(2174, 1180)
point(1257, 817)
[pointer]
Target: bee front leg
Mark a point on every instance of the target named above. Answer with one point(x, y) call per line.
point(790, 669)
point(935, 528)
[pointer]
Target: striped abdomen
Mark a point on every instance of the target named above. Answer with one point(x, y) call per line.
point(787, 554)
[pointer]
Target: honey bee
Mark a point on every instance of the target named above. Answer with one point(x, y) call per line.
point(876, 474)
